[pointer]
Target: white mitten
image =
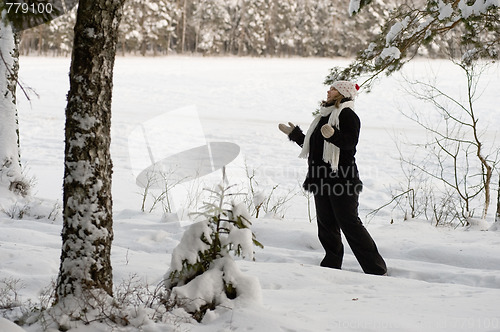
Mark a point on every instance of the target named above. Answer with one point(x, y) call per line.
point(286, 129)
point(327, 131)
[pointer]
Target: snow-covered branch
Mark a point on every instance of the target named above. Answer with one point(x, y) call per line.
point(408, 28)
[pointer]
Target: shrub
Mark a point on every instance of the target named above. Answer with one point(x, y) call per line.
point(202, 273)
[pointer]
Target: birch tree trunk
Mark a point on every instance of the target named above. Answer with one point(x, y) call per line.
point(10, 166)
point(88, 223)
point(497, 215)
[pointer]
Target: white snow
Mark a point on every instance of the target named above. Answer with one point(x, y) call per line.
point(478, 7)
point(190, 245)
point(354, 6)
point(8, 326)
point(440, 279)
point(390, 52)
point(445, 10)
point(396, 29)
point(209, 287)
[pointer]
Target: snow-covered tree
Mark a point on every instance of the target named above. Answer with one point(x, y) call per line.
point(264, 27)
point(251, 30)
point(162, 25)
point(87, 230)
point(11, 176)
point(58, 34)
point(202, 273)
point(414, 24)
point(55, 37)
point(147, 25)
point(281, 24)
point(212, 24)
point(14, 19)
point(212, 27)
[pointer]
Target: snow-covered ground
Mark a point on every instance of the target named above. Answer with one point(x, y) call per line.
point(440, 279)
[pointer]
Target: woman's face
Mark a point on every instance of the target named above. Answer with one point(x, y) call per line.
point(332, 94)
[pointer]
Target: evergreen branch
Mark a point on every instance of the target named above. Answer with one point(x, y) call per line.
point(407, 29)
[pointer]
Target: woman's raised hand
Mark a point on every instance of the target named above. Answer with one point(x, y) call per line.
point(286, 129)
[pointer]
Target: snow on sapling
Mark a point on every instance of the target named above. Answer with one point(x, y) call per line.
point(202, 272)
point(259, 198)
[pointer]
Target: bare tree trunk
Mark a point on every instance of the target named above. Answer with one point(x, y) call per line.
point(184, 21)
point(40, 39)
point(10, 161)
point(497, 216)
point(169, 36)
point(241, 33)
point(87, 230)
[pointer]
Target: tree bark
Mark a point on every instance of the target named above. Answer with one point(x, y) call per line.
point(87, 204)
point(10, 161)
point(497, 216)
point(184, 22)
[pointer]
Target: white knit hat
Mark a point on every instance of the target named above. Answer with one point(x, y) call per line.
point(346, 88)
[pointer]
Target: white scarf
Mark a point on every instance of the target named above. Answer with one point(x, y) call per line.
point(331, 152)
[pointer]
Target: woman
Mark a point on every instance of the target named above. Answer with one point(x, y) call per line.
point(330, 146)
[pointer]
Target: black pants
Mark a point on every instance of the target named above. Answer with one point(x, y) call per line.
point(336, 212)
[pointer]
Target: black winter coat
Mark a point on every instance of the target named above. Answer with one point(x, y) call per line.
point(320, 176)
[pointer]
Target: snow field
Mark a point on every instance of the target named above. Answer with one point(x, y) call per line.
point(440, 279)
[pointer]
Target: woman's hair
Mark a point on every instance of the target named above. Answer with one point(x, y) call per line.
point(335, 101)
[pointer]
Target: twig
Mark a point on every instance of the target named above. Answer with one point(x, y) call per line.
point(374, 212)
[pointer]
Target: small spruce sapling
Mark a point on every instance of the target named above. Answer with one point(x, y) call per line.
point(203, 257)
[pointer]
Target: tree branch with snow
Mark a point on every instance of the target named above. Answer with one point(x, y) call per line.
point(409, 27)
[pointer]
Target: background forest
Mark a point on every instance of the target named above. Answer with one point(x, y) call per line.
point(276, 28)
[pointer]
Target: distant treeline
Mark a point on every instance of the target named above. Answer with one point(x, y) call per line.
point(319, 28)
